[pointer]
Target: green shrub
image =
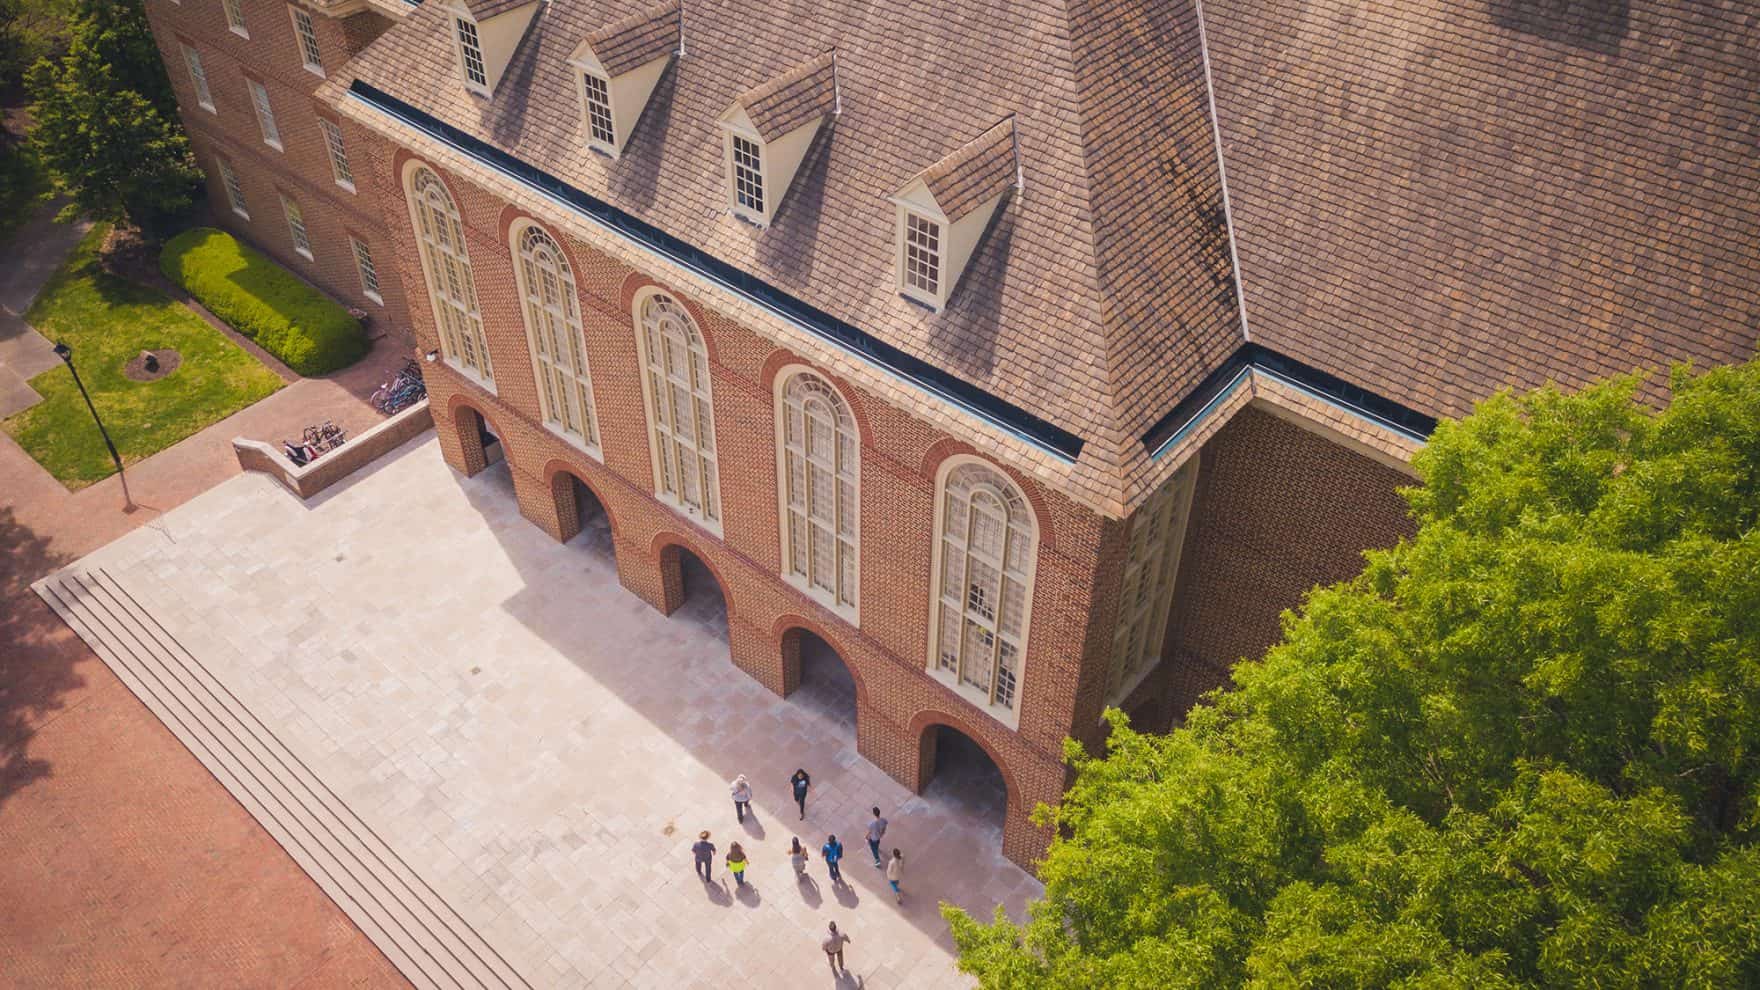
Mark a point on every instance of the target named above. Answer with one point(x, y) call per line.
point(309, 332)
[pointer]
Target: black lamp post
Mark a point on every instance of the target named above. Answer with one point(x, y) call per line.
point(65, 353)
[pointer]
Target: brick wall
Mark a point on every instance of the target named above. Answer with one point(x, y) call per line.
point(301, 170)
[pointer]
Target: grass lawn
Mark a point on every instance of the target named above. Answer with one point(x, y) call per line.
point(107, 321)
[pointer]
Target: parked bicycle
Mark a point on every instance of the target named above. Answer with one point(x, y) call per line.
point(405, 389)
point(324, 437)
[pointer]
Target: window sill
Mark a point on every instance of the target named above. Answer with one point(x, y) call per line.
point(316, 70)
point(486, 384)
point(304, 253)
point(208, 107)
point(848, 613)
point(274, 144)
point(241, 32)
point(346, 185)
point(577, 443)
point(377, 299)
point(695, 517)
point(241, 214)
point(979, 700)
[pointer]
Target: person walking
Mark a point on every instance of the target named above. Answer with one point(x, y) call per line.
point(833, 946)
point(832, 850)
point(876, 831)
point(704, 851)
point(797, 857)
point(742, 797)
point(802, 783)
point(736, 864)
point(895, 873)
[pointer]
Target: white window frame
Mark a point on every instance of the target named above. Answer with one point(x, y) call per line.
point(265, 113)
point(1151, 571)
point(446, 269)
point(589, 105)
point(296, 227)
point(937, 297)
point(235, 17)
point(198, 77)
point(339, 168)
point(663, 324)
point(994, 485)
point(734, 136)
point(305, 34)
point(366, 269)
point(234, 189)
point(806, 404)
point(555, 336)
point(466, 52)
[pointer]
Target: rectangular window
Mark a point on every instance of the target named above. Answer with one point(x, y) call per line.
point(265, 114)
point(922, 254)
point(234, 191)
point(599, 109)
point(363, 261)
point(471, 51)
point(235, 17)
point(309, 53)
point(338, 154)
point(748, 175)
point(296, 226)
point(199, 77)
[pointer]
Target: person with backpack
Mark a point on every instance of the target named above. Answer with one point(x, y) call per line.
point(832, 850)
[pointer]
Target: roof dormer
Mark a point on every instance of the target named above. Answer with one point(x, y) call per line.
point(943, 210)
point(767, 131)
point(484, 35)
point(616, 70)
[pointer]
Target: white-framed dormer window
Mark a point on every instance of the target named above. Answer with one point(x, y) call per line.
point(819, 490)
point(235, 17)
point(553, 330)
point(234, 191)
point(681, 409)
point(745, 161)
point(310, 55)
point(296, 228)
point(470, 55)
point(1150, 570)
point(986, 551)
point(920, 257)
point(363, 263)
point(338, 154)
point(601, 125)
point(198, 78)
point(265, 114)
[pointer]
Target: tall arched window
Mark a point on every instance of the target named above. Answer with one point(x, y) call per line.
point(447, 265)
point(553, 328)
point(820, 464)
point(986, 550)
point(681, 414)
point(1150, 569)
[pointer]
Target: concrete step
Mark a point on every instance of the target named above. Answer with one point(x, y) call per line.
point(405, 917)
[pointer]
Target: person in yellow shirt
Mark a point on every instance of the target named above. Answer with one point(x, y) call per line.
point(736, 864)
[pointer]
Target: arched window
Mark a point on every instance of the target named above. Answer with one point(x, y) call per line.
point(986, 551)
point(820, 454)
point(447, 265)
point(681, 416)
point(1151, 567)
point(553, 328)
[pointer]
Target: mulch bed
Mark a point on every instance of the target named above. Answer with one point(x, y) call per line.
point(136, 369)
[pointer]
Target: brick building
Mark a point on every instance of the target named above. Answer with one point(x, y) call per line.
point(1032, 357)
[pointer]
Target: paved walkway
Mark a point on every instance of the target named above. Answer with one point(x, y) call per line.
point(540, 745)
point(36, 250)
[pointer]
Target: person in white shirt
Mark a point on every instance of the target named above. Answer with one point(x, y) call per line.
point(742, 797)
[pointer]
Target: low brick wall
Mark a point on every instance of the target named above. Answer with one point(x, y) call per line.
point(358, 452)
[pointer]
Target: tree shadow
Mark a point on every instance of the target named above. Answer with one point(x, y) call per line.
point(38, 657)
point(1597, 25)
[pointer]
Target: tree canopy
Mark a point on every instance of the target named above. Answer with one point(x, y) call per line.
point(1520, 749)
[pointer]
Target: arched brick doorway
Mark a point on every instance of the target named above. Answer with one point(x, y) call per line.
point(584, 520)
point(958, 773)
point(695, 586)
point(479, 442)
point(819, 680)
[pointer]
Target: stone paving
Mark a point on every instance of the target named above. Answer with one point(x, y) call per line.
point(543, 747)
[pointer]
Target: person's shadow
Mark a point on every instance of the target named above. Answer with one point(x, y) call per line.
point(718, 893)
point(809, 890)
point(845, 894)
point(754, 828)
point(748, 895)
point(846, 979)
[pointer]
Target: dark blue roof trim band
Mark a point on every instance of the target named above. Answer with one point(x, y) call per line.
point(1033, 429)
point(1328, 387)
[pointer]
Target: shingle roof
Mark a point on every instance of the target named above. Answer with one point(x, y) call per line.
point(636, 40)
point(974, 173)
point(482, 10)
point(800, 96)
point(1427, 201)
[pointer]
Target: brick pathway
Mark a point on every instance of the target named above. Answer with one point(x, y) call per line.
point(123, 862)
point(541, 746)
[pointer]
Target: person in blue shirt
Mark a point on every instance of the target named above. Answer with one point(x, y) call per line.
point(832, 850)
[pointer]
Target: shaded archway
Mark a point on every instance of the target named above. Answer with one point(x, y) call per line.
point(478, 440)
point(821, 681)
point(960, 775)
point(585, 522)
point(703, 601)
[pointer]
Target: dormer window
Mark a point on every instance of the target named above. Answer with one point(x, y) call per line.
point(943, 210)
point(470, 55)
point(617, 68)
point(768, 131)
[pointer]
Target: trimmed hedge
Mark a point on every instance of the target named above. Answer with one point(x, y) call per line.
point(307, 330)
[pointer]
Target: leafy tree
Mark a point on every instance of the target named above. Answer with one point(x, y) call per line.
point(1520, 749)
point(116, 150)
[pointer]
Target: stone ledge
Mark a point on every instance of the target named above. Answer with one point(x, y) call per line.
point(312, 478)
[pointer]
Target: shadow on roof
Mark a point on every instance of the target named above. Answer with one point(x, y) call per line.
point(1597, 25)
